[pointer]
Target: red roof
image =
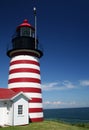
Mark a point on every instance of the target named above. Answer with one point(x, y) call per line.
point(7, 93)
point(25, 24)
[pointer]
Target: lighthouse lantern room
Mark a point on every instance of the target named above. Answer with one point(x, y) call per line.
point(24, 70)
point(24, 38)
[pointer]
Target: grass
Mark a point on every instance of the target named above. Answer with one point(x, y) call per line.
point(46, 125)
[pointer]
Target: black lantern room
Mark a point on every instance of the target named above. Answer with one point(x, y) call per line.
point(24, 39)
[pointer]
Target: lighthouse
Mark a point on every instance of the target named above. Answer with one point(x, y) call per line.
point(24, 70)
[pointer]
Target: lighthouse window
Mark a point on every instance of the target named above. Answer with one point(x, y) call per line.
point(20, 109)
point(32, 34)
point(25, 31)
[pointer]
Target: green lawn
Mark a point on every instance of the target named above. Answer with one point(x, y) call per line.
point(46, 125)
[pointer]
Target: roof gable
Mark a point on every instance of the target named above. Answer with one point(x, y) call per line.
point(18, 94)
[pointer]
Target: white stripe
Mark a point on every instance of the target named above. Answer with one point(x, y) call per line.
point(24, 57)
point(26, 75)
point(36, 115)
point(35, 105)
point(24, 84)
point(33, 95)
point(24, 66)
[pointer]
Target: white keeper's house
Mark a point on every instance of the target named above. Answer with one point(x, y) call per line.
point(13, 108)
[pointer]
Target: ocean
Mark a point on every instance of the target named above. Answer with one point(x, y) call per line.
point(70, 115)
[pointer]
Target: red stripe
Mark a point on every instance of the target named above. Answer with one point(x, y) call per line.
point(24, 62)
point(36, 100)
point(34, 90)
point(24, 70)
point(36, 119)
point(34, 80)
point(33, 110)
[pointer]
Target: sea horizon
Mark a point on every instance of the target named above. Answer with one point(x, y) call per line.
point(71, 115)
point(64, 108)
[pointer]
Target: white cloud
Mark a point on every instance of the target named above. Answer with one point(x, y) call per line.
point(65, 85)
point(58, 85)
point(50, 86)
point(52, 103)
point(68, 84)
point(58, 104)
point(84, 82)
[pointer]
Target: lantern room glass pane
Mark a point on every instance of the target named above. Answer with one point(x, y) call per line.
point(25, 31)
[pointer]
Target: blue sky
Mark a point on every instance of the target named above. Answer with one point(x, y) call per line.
point(63, 30)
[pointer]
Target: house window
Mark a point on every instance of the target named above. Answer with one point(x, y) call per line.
point(20, 109)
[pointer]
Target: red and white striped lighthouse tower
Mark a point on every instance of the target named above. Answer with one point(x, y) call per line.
point(24, 71)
